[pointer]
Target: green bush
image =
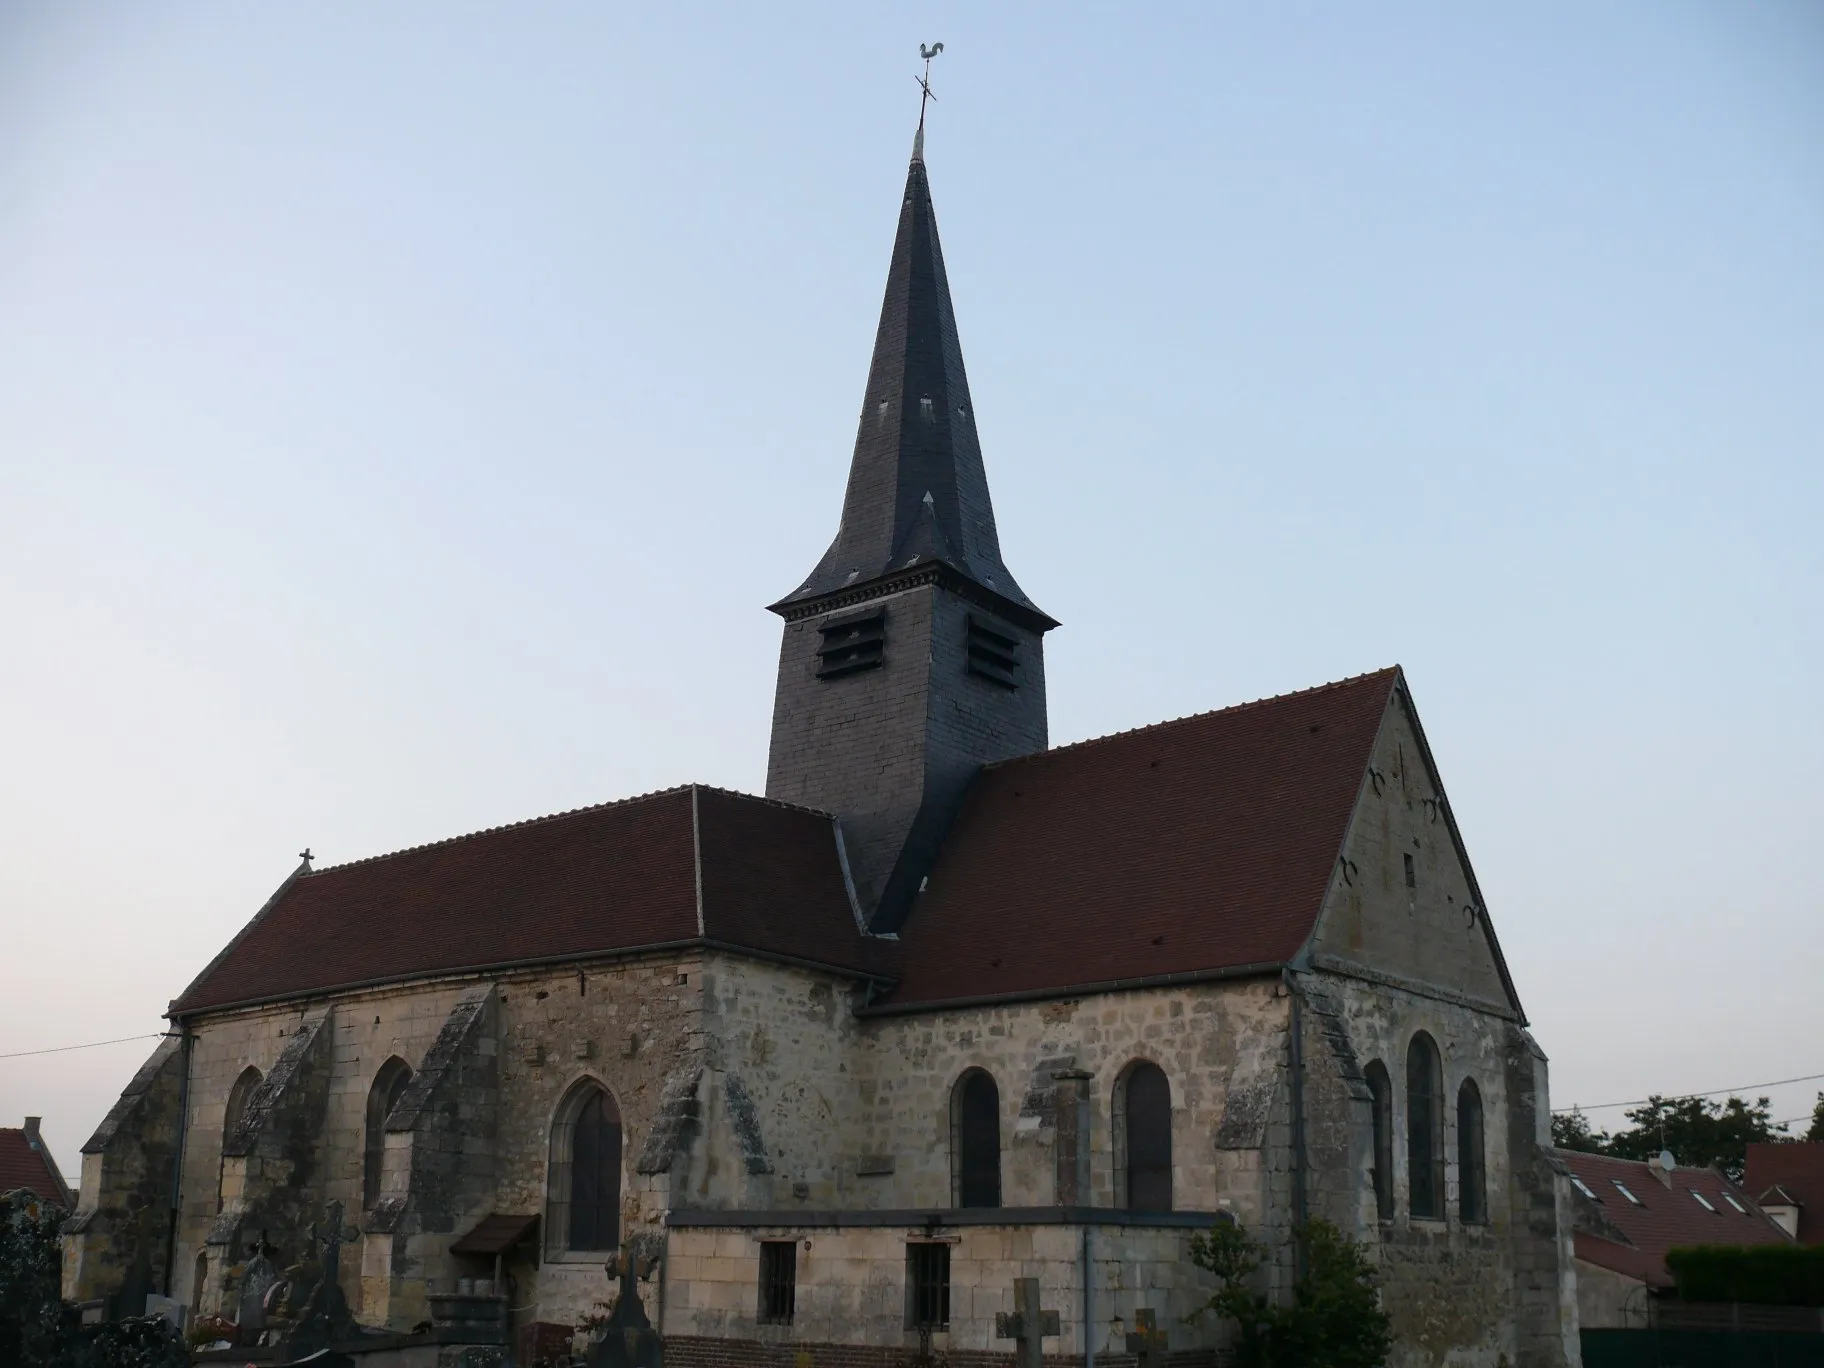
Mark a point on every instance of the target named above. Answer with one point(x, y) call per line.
point(36, 1328)
point(1773, 1275)
point(1335, 1318)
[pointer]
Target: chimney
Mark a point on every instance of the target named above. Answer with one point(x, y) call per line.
point(31, 1132)
point(1661, 1166)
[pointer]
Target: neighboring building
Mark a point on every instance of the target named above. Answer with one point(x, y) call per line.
point(1629, 1213)
point(944, 1010)
point(26, 1162)
point(1788, 1181)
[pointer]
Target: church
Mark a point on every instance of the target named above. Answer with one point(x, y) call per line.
point(944, 1048)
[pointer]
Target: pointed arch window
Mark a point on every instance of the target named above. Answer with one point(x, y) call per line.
point(1146, 1125)
point(1472, 1173)
point(233, 1115)
point(975, 1147)
point(1425, 1127)
point(388, 1087)
point(583, 1187)
point(1380, 1091)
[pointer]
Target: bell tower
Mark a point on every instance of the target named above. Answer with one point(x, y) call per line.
point(911, 656)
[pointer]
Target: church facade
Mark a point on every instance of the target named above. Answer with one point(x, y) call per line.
point(945, 1020)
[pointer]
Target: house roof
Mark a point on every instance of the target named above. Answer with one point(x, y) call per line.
point(1796, 1171)
point(25, 1162)
point(1632, 1237)
point(1196, 846)
point(688, 865)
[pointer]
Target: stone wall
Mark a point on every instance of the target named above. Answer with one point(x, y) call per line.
point(511, 1048)
point(851, 1285)
point(884, 746)
point(114, 1245)
point(1222, 1047)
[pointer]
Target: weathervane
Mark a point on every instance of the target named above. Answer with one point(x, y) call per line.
point(927, 51)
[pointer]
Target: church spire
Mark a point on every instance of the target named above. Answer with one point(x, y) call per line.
point(910, 657)
point(917, 490)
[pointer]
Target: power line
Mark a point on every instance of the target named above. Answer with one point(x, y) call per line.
point(62, 1049)
point(1676, 1097)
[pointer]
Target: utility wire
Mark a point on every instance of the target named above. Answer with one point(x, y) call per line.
point(1676, 1097)
point(61, 1049)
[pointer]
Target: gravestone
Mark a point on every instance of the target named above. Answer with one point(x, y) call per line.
point(324, 1317)
point(1027, 1325)
point(628, 1339)
point(1146, 1342)
point(257, 1279)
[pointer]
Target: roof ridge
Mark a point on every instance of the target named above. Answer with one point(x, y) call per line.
point(570, 812)
point(762, 798)
point(1196, 717)
point(508, 826)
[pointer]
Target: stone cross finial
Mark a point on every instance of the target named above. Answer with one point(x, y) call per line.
point(1028, 1325)
point(1146, 1341)
point(329, 1236)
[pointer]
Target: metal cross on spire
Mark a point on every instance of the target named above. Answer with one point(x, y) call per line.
point(927, 51)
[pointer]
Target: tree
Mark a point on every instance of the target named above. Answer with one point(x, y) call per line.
point(1571, 1131)
point(1816, 1133)
point(1335, 1318)
point(36, 1328)
point(1699, 1133)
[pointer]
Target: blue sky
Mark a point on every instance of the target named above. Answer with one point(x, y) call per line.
point(405, 415)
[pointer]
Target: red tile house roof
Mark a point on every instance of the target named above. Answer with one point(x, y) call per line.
point(1200, 846)
point(689, 865)
point(1204, 844)
point(1798, 1171)
point(1630, 1236)
point(26, 1163)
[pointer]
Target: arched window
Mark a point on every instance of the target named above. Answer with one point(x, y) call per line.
point(1147, 1127)
point(583, 1190)
point(232, 1116)
point(388, 1088)
point(1472, 1174)
point(238, 1097)
point(975, 1140)
point(1380, 1088)
point(1425, 1126)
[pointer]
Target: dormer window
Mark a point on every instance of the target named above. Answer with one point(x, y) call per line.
point(993, 652)
point(852, 645)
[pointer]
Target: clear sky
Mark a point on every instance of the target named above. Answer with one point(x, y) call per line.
point(406, 411)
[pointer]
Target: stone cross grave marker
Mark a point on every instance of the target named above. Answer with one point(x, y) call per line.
point(1146, 1342)
point(1028, 1325)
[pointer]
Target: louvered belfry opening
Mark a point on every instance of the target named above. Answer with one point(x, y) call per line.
point(852, 644)
point(993, 651)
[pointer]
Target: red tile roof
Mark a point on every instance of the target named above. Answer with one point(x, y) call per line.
point(600, 880)
point(1799, 1169)
point(1198, 845)
point(1664, 1219)
point(26, 1163)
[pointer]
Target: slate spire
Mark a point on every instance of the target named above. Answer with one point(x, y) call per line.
point(917, 489)
point(910, 657)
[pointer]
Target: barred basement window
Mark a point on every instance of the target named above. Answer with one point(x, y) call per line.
point(993, 652)
point(852, 645)
point(927, 1286)
point(778, 1281)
